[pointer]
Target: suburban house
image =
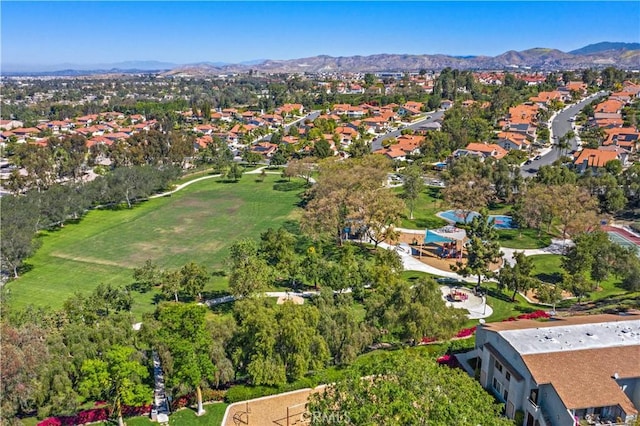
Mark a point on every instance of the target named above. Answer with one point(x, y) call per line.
point(407, 145)
point(290, 109)
point(513, 140)
point(10, 124)
point(575, 86)
point(624, 137)
point(446, 104)
point(546, 98)
point(610, 108)
point(265, 148)
point(597, 158)
point(410, 108)
point(480, 150)
point(561, 372)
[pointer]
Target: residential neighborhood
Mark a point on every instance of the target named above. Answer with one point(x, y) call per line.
point(322, 213)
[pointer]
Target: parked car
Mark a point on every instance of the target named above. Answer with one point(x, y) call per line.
point(529, 161)
point(537, 157)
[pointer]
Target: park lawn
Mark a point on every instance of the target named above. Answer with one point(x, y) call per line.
point(523, 238)
point(424, 213)
point(198, 223)
point(185, 417)
point(548, 268)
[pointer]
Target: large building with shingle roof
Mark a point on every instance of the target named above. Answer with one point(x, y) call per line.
point(569, 371)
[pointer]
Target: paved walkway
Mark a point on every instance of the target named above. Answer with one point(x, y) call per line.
point(160, 402)
point(183, 185)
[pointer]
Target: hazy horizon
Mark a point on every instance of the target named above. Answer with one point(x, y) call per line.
point(46, 34)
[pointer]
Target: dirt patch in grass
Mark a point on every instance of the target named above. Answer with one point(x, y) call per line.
point(88, 260)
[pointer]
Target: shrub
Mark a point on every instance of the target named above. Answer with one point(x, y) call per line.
point(245, 392)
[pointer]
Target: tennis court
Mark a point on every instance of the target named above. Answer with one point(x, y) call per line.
point(621, 240)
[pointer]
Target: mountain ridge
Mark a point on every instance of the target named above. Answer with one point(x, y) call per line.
point(623, 55)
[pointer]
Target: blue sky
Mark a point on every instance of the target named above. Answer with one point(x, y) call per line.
point(188, 32)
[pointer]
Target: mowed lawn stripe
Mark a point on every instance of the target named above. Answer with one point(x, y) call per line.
point(196, 224)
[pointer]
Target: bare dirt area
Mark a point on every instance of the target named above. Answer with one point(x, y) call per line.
point(271, 410)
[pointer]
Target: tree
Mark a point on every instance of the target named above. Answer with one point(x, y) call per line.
point(249, 272)
point(517, 277)
point(549, 293)
point(276, 344)
point(147, 276)
point(412, 186)
point(234, 172)
point(277, 248)
point(171, 284)
point(406, 389)
point(412, 313)
point(468, 193)
point(186, 345)
point(342, 191)
point(346, 335)
point(574, 207)
point(483, 249)
point(193, 278)
point(116, 377)
point(322, 149)
point(251, 157)
point(369, 79)
point(17, 226)
point(534, 207)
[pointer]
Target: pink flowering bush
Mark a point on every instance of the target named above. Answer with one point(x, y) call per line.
point(93, 415)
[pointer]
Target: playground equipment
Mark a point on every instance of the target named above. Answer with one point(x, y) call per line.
point(242, 417)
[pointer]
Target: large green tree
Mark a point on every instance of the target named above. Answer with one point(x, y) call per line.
point(517, 277)
point(412, 186)
point(483, 249)
point(185, 347)
point(116, 377)
point(403, 388)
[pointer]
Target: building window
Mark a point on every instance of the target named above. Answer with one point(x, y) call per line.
point(497, 386)
point(505, 394)
point(498, 366)
point(508, 376)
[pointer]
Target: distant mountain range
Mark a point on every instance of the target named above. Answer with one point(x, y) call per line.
point(622, 55)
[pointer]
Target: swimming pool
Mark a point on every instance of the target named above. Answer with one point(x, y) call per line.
point(499, 221)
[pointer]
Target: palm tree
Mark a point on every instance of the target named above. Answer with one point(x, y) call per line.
point(564, 143)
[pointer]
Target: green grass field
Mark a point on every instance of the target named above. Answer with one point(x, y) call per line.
point(523, 239)
point(196, 224)
point(424, 213)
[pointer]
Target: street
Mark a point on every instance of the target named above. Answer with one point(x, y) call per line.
point(559, 127)
point(376, 144)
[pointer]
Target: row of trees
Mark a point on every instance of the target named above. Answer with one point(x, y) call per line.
point(24, 215)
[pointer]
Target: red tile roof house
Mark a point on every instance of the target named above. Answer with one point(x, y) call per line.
point(407, 145)
point(624, 137)
point(608, 109)
point(512, 140)
point(596, 158)
point(622, 96)
point(10, 124)
point(265, 148)
point(546, 98)
point(290, 109)
point(346, 135)
point(487, 150)
point(26, 132)
point(576, 86)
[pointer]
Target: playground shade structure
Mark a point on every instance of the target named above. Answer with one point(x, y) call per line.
point(499, 221)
